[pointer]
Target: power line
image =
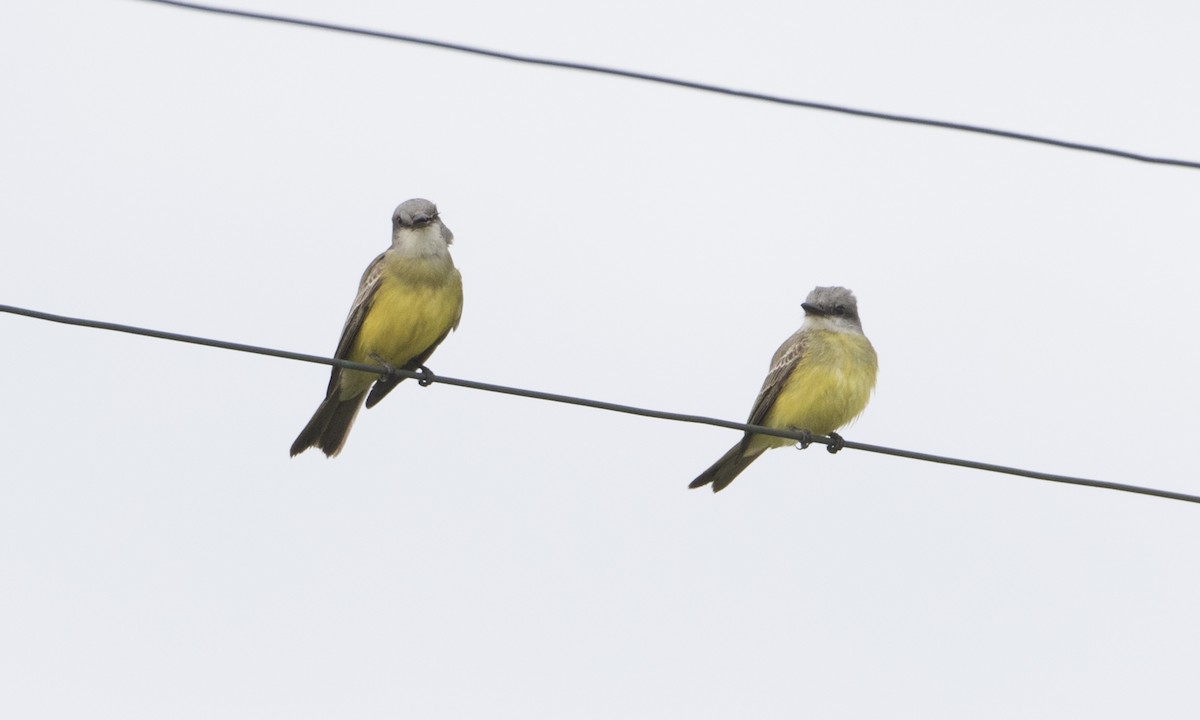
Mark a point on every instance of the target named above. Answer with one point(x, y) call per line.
point(424, 377)
point(705, 87)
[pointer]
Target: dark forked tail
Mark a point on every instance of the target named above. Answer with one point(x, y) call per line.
point(329, 426)
point(726, 469)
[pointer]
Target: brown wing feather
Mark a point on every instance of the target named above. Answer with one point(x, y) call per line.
point(782, 364)
point(367, 287)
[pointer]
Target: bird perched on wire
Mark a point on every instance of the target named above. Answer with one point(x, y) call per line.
point(820, 379)
point(409, 299)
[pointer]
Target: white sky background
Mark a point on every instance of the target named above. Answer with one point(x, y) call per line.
point(475, 555)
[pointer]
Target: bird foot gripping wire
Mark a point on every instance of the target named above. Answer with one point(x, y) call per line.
point(805, 440)
point(836, 443)
point(425, 376)
point(391, 369)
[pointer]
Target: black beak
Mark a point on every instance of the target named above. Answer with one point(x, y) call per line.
point(810, 309)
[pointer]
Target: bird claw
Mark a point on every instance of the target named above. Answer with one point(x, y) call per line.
point(391, 369)
point(806, 438)
point(425, 376)
point(836, 443)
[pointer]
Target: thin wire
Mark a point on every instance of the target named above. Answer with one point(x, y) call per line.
point(890, 117)
point(427, 378)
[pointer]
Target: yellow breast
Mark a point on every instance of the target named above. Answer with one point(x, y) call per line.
point(415, 305)
point(828, 388)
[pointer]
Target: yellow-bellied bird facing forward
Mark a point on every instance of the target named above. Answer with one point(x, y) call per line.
point(820, 379)
point(409, 300)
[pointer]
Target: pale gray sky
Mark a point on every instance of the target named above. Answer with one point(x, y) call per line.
point(473, 555)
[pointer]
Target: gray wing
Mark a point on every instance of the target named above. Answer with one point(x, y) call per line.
point(367, 287)
point(782, 364)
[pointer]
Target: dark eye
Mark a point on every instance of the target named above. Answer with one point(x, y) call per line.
point(840, 310)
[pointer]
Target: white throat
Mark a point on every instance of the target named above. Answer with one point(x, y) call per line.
point(420, 242)
point(833, 323)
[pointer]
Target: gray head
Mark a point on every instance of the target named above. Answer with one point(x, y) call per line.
point(416, 214)
point(834, 303)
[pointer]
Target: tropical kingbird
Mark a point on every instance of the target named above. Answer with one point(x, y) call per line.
point(820, 379)
point(409, 300)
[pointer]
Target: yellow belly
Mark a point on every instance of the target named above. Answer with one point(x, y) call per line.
point(406, 319)
point(829, 388)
